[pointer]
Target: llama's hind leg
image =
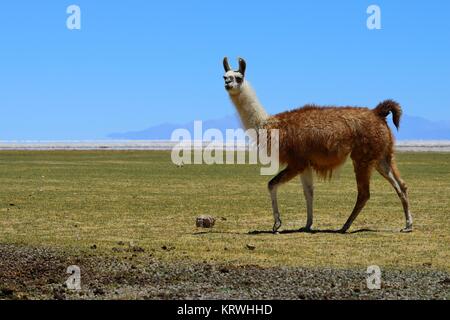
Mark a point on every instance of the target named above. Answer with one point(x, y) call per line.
point(388, 170)
point(306, 178)
point(283, 176)
point(362, 172)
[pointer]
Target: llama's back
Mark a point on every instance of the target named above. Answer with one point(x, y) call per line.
point(323, 137)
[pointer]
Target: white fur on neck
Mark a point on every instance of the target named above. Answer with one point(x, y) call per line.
point(250, 110)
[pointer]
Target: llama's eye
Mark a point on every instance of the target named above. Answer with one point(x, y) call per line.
point(238, 79)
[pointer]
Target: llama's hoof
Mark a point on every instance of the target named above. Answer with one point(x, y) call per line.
point(276, 226)
point(305, 229)
point(342, 230)
point(407, 229)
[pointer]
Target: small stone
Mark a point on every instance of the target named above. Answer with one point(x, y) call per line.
point(99, 291)
point(224, 270)
point(250, 247)
point(58, 294)
point(138, 249)
point(6, 292)
point(205, 222)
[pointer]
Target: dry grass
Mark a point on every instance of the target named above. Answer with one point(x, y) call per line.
point(74, 199)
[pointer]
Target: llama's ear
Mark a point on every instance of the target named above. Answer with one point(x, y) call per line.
point(242, 66)
point(226, 65)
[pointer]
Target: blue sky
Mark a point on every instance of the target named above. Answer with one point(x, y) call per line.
point(135, 64)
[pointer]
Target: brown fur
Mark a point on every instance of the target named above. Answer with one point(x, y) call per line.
point(323, 137)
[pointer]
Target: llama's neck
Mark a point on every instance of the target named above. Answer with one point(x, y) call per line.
point(250, 110)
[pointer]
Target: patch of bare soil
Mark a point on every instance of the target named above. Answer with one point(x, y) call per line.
point(40, 273)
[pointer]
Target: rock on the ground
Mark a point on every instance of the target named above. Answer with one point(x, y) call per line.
point(205, 222)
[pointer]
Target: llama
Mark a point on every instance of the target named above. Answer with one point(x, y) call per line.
point(320, 139)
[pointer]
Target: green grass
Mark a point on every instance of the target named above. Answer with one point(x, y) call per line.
point(74, 199)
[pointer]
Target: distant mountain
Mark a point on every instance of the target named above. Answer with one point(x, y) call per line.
point(164, 131)
point(417, 128)
point(411, 128)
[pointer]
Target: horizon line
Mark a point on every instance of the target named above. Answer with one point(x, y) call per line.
point(119, 144)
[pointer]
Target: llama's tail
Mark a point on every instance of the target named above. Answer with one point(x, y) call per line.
point(384, 108)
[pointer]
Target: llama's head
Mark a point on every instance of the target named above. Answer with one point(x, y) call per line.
point(234, 79)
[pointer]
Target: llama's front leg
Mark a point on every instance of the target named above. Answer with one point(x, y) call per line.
point(362, 173)
point(283, 176)
point(306, 178)
point(276, 212)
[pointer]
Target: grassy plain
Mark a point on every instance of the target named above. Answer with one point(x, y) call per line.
point(72, 200)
